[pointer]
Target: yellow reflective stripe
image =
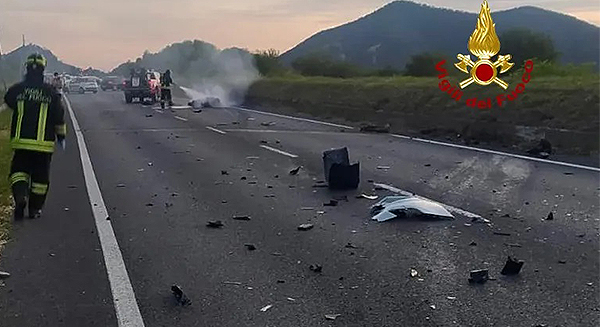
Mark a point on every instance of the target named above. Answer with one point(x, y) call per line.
point(33, 145)
point(19, 177)
point(38, 188)
point(20, 112)
point(61, 129)
point(42, 121)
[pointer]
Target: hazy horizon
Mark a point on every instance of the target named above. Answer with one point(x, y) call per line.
point(103, 34)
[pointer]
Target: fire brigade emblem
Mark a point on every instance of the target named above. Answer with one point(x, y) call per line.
point(484, 44)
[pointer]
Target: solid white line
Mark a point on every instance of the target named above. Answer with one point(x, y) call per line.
point(126, 307)
point(566, 164)
point(279, 151)
point(294, 118)
point(216, 130)
point(246, 130)
point(180, 118)
point(447, 207)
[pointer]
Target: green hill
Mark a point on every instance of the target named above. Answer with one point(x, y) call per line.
point(392, 34)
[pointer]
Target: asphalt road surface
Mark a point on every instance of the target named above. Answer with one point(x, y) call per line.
point(163, 174)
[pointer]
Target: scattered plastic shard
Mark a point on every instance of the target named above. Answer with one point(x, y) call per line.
point(266, 307)
point(241, 217)
point(332, 316)
point(366, 196)
point(480, 220)
point(215, 224)
point(389, 206)
point(224, 172)
point(512, 266)
point(339, 173)
point(232, 283)
point(413, 272)
point(271, 123)
point(250, 247)
point(295, 171)
point(304, 227)
point(291, 299)
point(4, 275)
point(384, 167)
point(331, 203)
point(180, 296)
point(550, 216)
point(479, 276)
point(316, 268)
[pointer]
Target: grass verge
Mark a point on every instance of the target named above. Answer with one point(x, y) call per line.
point(5, 193)
point(563, 109)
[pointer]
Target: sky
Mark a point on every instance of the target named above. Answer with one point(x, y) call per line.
point(105, 33)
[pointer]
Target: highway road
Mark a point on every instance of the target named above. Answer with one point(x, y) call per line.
point(127, 215)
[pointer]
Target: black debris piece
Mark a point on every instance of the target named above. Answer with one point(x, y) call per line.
point(479, 276)
point(350, 246)
point(568, 173)
point(148, 115)
point(224, 172)
point(331, 203)
point(250, 247)
point(267, 123)
point(72, 186)
point(542, 150)
point(372, 128)
point(241, 217)
point(319, 185)
point(505, 215)
point(316, 268)
point(280, 281)
point(139, 147)
point(244, 178)
point(512, 266)
point(168, 205)
point(295, 171)
point(339, 173)
point(4, 275)
point(214, 224)
point(149, 204)
point(562, 261)
point(427, 165)
point(305, 227)
point(550, 216)
point(473, 243)
point(276, 176)
point(502, 233)
point(264, 142)
point(180, 297)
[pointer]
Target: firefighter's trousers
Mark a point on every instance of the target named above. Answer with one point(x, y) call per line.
point(30, 177)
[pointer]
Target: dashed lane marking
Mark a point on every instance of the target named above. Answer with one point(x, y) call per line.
point(215, 130)
point(279, 151)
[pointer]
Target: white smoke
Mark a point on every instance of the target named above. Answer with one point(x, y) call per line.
point(205, 71)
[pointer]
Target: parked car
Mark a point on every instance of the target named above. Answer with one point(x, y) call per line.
point(111, 83)
point(142, 85)
point(82, 85)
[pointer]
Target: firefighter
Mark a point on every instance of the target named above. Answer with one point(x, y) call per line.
point(57, 82)
point(165, 91)
point(37, 122)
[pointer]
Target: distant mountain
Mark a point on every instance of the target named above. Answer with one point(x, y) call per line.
point(392, 34)
point(11, 64)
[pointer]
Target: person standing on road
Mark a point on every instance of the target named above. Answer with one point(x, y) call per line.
point(57, 82)
point(165, 91)
point(37, 122)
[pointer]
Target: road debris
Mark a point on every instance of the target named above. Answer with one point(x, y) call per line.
point(432, 306)
point(4, 275)
point(502, 233)
point(372, 128)
point(224, 172)
point(316, 268)
point(72, 186)
point(305, 227)
point(331, 203)
point(451, 298)
point(479, 276)
point(384, 167)
point(332, 316)
point(295, 171)
point(542, 150)
point(512, 266)
point(473, 243)
point(392, 206)
point(339, 173)
point(242, 217)
point(307, 208)
point(266, 307)
point(350, 246)
point(250, 247)
point(233, 283)
point(180, 296)
point(513, 245)
point(320, 185)
point(413, 272)
point(367, 196)
point(480, 220)
point(550, 216)
point(267, 124)
point(291, 299)
point(214, 224)
point(562, 262)
point(148, 115)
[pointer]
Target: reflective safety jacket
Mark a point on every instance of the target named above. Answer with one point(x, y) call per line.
point(38, 116)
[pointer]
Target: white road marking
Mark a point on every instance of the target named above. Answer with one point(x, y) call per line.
point(126, 307)
point(216, 130)
point(279, 151)
point(180, 118)
point(159, 111)
point(245, 130)
point(294, 118)
point(447, 207)
point(560, 163)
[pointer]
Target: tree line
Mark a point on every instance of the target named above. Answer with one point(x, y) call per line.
point(522, 44)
